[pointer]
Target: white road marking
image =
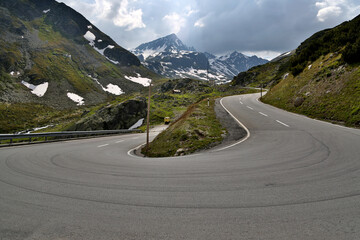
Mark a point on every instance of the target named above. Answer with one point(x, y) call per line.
point(263, 114)
point(249, 107)
point(240, 123)
point(135, 138)
point(282, 123)
point(104, 145)
point(241, 102)
point(120, 141)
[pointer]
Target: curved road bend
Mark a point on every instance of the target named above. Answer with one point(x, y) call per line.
point(293, 178)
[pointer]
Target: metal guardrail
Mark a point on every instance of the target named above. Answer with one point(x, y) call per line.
point(60, 135)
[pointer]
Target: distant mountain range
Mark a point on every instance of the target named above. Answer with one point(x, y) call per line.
point(170, 57)
point(50, 54)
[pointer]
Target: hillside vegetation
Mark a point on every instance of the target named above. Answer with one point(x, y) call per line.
point(197, 127)
point(326, 90)
point(46, 42)
point(321, 79)
point(344, 39)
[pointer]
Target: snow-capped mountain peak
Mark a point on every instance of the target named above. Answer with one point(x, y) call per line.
point(170, 43)
point(170, 57)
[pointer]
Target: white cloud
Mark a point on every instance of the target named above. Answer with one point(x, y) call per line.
point(175, 22)
point(102, 8)
point(128, 18)
point(189, 11)
point(328, 12)
point(334, 8)
point(200, 23)
point(120, 14)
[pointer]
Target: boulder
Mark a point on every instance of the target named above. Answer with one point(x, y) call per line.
point(298, 101)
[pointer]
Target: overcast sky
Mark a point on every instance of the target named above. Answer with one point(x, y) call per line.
point(262, 27)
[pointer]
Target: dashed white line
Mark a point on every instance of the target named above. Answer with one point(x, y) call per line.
point(263, 114)
point(104, 145)
point(135, 138)
point(282, 123)
point(120, 141)
point(249, 107)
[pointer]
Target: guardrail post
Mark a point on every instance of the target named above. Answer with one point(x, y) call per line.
point(11, 141)
point(45, 139)
point(29, 139)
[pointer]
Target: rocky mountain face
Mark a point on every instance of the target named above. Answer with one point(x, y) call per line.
point(50, 54)
point(120, 116)
point(170, 57)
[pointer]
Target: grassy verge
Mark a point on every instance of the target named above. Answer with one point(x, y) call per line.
point(198, 128)
point(326, 90)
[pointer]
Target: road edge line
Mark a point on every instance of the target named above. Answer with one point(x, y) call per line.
point(131, 151)
point(240, 123)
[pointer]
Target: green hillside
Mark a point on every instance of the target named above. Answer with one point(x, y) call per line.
point(327, 89)
point(321, 79)
point(46, 42)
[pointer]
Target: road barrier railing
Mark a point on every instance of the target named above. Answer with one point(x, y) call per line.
point(26, 138)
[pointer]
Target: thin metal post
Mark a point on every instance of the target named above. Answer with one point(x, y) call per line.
point(148, 119)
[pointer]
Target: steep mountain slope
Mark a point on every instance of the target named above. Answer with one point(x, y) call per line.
point(320, 79)
point(169, 56)
point(50, 54)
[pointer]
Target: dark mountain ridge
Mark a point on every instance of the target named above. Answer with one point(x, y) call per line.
point(49, 48)
point(70, 23)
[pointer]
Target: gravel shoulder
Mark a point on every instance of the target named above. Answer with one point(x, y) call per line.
point(234, 131)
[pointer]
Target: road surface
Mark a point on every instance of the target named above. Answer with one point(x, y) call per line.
point(293, 178)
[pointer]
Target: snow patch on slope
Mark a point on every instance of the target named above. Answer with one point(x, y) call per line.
point(143, 81)
point(114, 89)
point(91, 38)
point(110, 88)
point(153, 52)
point(137, 124)
point(17, 73)
point(76, 98)
point(38, 90)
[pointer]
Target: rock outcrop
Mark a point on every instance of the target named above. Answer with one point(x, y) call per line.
point(121, 116)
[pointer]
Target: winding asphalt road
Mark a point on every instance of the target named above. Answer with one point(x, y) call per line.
point(293, 178)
